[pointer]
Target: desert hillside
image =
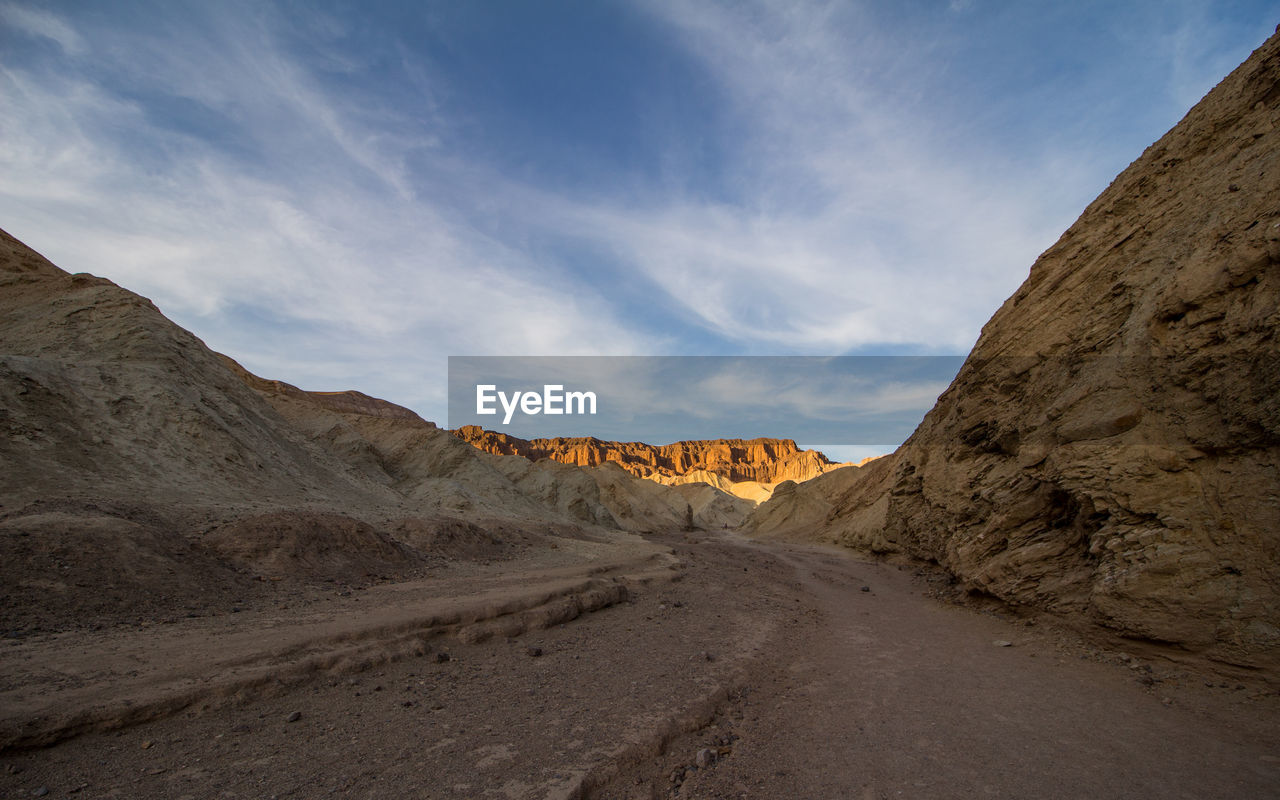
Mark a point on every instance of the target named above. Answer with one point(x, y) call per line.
point(145, 474)
point(1111, 447)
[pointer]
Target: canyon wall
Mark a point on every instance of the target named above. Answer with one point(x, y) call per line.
point(1110, 449)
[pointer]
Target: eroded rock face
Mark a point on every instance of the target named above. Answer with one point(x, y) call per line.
point(1111, 447)
point(736, 460)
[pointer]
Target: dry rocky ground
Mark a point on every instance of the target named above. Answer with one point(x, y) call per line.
point(701, 665)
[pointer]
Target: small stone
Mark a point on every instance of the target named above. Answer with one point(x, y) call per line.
point(147, 744)
point(705, 758)
point(41, 792)
point(441, 658)
point(294, 716)
point(533, 651)
point(1233, 188)
point(866, 589)
point(1002, 643)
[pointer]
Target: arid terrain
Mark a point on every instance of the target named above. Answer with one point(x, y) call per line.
point(703, 665)
point(1065, 584)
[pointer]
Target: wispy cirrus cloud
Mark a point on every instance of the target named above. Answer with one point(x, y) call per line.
point(43, 24)
point(860, 214)
point(277, 221)
point(308, 190)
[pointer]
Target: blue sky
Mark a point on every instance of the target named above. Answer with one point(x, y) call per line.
point(343, 195)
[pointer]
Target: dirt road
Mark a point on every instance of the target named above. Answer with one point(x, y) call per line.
point(893, 695)
point(727, 669)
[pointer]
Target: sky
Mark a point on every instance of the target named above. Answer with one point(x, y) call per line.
point(342, 195)
point(867, 402)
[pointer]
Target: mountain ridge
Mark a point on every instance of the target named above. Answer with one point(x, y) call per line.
point(761, 460)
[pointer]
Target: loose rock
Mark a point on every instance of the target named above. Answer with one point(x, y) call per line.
point(705, 758)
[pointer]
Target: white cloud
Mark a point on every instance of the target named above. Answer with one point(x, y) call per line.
point(43, 24)
point(859, 222)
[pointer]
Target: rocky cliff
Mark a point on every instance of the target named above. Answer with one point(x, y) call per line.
point(736, 460)
point(1111, 447)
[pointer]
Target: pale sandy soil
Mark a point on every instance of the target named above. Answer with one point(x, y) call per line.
point(765, 663)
